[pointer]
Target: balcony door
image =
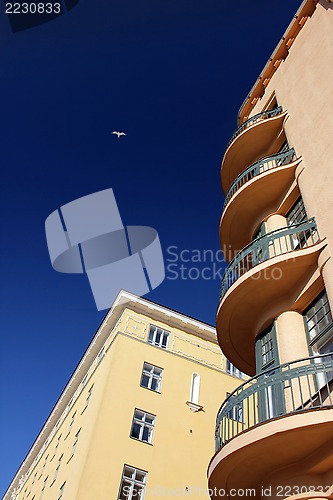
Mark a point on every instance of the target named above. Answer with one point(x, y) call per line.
point(270, 394)
point(319, 327)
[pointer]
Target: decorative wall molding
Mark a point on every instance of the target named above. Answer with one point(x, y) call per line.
point(191, 356)
point(134, 327)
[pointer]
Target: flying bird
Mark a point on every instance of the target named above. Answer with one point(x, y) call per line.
point(118, 134)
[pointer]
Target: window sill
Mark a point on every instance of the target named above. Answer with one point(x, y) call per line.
point(140, 441)
point(52, 482)
point(84, 409)
point(195, 407)
point(149, 389)
point(70, 458)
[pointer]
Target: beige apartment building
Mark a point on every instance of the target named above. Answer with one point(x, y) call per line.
point(137, 416)
point(274, 434)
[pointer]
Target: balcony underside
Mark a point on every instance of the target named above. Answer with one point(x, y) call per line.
point(252, 144)
point(257, 297)
point(302, 447)
point(250, 204)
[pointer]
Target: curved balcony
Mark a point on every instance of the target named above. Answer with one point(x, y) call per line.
point(257, 168)
point(266, 181)
point(250, 142)
point(289, 411)
point(268, 246)
point(260, 282)
point(301, 385)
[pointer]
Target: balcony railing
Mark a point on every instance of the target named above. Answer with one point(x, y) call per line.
point(254, 119)
point(258, 168)
point(301, 385)
point(278, 242)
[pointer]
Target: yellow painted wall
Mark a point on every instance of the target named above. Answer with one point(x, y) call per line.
point(183, 441)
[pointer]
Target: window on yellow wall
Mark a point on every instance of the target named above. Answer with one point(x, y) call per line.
point(77, 435)
point(133, 483)
point(151, 377)
point(158, 337)
point(71, 422)
point(232, 370)
point(42, 492)
point(61, 491)
point(143, 426)
point(89, 395)
point(57, 468)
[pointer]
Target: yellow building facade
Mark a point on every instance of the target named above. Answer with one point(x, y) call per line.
point(274, 434)
point(138, 414)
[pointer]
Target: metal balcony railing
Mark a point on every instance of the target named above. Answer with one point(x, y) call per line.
point(301, 385)
point(278, 242)
point(254, 119)
point(258, 168)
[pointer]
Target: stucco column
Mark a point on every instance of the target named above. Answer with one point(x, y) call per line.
point(280, 245)
point(293, 345)
point(274, 222)
point(291, 337)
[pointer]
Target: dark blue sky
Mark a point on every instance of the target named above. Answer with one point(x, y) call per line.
point(173, 75)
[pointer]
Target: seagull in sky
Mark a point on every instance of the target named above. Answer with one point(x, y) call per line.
point(118, 134)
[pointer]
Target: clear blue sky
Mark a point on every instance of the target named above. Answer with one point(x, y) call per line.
point(173, 75)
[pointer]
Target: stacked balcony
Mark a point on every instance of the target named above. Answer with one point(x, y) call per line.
point(299, 386)
point(276, 421)
point(251, 141)
point(262, 281)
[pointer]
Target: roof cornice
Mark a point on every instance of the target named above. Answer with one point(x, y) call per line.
point(281, 52)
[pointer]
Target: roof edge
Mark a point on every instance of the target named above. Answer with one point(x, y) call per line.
point(280, 53)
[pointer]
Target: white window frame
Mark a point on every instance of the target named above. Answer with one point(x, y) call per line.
point(141, 418)
point(130, 480)
point(42, 490)
point(232, 370)
point(89, 395)
point(151, 372)
point(157, 335)
point(57, 468)
point(77, 435)
point(61, 491)
point(71, 423)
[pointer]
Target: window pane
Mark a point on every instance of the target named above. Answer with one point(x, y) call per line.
point(145, 434)
point(125, 490)
point(129, 472)
point(139, 415)
point(151, 335)
point(140, 476)
point(137, 492)
point(136, 431)
point(157, 337)
point(154, 384)
point(145, 380)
